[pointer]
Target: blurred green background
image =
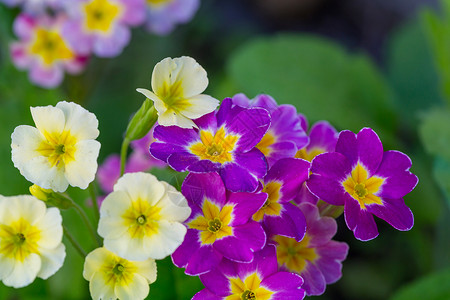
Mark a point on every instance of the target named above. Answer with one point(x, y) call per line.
point(382, 64)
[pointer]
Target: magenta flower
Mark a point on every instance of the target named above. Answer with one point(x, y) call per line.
point(224, 143)
point(322, 139)
point(220, 225)
point(164, 15)
point(285, 135)
point(366, 180)
point(43, 51)
point(259, 279)
point(317, 258)
point(102, 26)
point(282, 183)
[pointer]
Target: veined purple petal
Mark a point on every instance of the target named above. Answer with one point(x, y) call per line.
point(254, 161)
point(370, 149)
point(305, 196)
point(241, 100)
point(296, 294)
point(287, 126)
point(314, 280)
point(175, 135)
point(265, 263)
point(398, 180)
point(238, 179)
point(359, 221)
point(320, 229)
point(251, 125)
point(327, 189)
point(198, 186)
point(207, 122)
point(162, 151)
point(282, 281)
point(303, 122)
point(323, 135)
point(216, 282)
point(395, 212)
point(203, 260)
point(331, 165)
point(245, 206)
point(227, 112)
point(331, 256)
point(202, 166)
point(234, 249)
point(182, 161)
point(293, 172)
point(281, 150)
point(190, 245)
point(348, 146)
point(265, 101)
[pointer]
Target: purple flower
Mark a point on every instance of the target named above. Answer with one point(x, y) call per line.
point(164, 15)
point(322, 139)
point(220, 225)
point(43, 51)
point(317, 258)
point(282, 184)
point(33, 6)
point(224, 143)
point(366, 180)
point(285, 135)
point(259, 279)
point(102, 26)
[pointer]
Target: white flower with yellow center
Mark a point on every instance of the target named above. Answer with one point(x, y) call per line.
point(61, 150)
point(142, 218)
point(177, 86)
point(112, 277)
point(30, 240)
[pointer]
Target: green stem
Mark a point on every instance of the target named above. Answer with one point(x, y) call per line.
point(74, 243)
point(94, 201)
point(123, 155)
point(85, 218)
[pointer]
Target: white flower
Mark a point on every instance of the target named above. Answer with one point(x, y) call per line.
point(177, 86)
point(112, 277)
point(30, 240)
point(61, 150)
point(142, 218)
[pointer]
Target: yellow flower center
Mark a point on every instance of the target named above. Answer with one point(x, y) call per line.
point(118, 271)
point(214, 223)
point(59, 148)
point(295, 255)
point(19, 239)
point(249, 289)
point(271, 207)
point(309, 154)
point(265, 145)
point(50, 46)
point(362, 188)
point(141, 219)
point(101, 15)
point(216, 148)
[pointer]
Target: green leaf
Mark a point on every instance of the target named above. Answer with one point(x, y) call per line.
point(435, 132)
point(432, 287)
point(441, 173)
point(318, 77)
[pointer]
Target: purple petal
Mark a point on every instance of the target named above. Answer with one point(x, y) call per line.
point(370, 149)
point(287, 125)
point(203, 166)
point(251, 125)
point(48, 77)
point(359, 221)
point(23, 26)
point(227, 112)
point(265, 101)
point(245, 206)
point(175, 135)
point(197, 187)
point(332, 165)
point(330, 263)
point(323, 135)
point(80, 41)
point(265, 263)
point(305, 196)
point(216, 282)
point(297, 294)
point(112, 45)
point(329, 190)
point(251, 233)
point(203, 260)
point(303, 122)
point(395, 212)
point(314, 280)
point(398, 180)
point(190, 245)
point(348, 146)
point(283, 281)
point(320, 229)
point(234, 249)
point(162, 151)
point(134, 12)
point(205, 295)
point(183, 161)
point(238, 179)
point(291, 223)
point(254, 161)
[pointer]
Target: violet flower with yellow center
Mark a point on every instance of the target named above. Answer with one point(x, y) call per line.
point(220, 225)
point(366, 180)
point(316, 258)
point(257, 280)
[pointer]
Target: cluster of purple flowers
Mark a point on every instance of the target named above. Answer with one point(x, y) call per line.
point(58, 36)
point(256, 177)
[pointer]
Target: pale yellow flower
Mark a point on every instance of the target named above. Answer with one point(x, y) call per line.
point(60, 150)
point(30, 240)
point(142, 218)
point(177, 86)
point(112, 277)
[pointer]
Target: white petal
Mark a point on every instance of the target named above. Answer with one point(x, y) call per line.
point(137, 289)
point(127, 247)
point(95, 260)
point(113, 207)
point(24, 272)
point(142, 186)
point(48, 119)
point(24, 206)
point(100, 289)
point(51, 229)
point(170, 118)
point(81, 171)
point(174, 206)
point(161, 74)
point(40, 172)
point(169, 238)
point(24, 142)
point(191, 74)
point(81, 123)
point(200, 105)
point(147, 268)
point(6, 266)
point(157, 102)
point(52, 261)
